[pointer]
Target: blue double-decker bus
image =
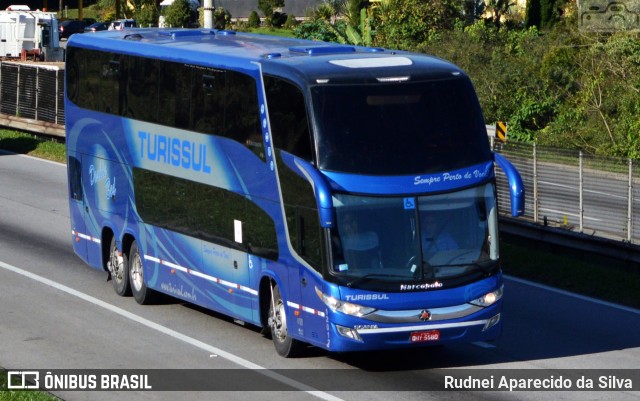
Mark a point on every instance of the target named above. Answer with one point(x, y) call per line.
point(334, 195)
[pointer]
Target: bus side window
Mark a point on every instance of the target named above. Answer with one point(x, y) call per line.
point(73, 67)
point(141, 89)
point(89, 89)
point(75, 179)
point(208, 101)
point(288, 118)
point(174, 95)
point(203, 211)
point(111, 74)
point(242, 112)
point(225, 103)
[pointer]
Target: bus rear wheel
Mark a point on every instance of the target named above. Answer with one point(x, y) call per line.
point(118, 266)
point(285, 345)
point(142, 294)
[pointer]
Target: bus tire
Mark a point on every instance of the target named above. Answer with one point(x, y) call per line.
point(285, 345)
point(118, 266)
point(142, 294)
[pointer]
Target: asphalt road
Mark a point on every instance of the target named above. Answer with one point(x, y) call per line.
point(57, 313)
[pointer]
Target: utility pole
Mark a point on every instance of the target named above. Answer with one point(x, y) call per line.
point(208, 14)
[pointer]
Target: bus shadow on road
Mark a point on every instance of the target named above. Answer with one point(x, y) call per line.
point(20, 145)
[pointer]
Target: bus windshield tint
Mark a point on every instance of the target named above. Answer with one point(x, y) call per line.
point(399, 128)
point(438, 237)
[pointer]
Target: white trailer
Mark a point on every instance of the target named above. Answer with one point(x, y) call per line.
point(25, 33)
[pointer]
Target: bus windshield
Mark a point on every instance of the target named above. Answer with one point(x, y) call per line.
point(426, 238)
point(422, 123)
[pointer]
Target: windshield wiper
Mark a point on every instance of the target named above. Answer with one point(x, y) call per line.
point(368, 277)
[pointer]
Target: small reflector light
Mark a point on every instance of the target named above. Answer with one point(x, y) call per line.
point(491, 322)
point(393, 79)
point(322, 81)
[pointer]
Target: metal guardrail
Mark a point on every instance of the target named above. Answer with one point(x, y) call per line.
point(32, 96)
point(572, 191)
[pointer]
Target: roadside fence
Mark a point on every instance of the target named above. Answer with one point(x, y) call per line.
point(592, 195)
point(32, 94)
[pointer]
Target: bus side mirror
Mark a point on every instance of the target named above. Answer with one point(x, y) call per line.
point(321, 190)
point(516, 186)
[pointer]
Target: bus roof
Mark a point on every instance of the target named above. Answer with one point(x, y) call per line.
point(312, 61)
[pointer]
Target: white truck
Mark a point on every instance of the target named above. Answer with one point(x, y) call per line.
point(25, 33)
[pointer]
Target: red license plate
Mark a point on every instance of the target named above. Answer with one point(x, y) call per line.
point(422, 336)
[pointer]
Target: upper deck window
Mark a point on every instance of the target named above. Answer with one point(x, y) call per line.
point(288, 116)
point(399, 128)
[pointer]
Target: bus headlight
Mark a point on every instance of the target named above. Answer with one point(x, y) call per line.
point(347, 308)
point(489, 298)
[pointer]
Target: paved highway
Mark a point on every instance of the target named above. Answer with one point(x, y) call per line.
point(57, 313)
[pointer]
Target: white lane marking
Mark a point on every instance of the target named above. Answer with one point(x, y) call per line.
point(172, 333)
point(574, 295)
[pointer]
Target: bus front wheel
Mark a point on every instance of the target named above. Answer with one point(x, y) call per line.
point(285, 345)
point(141, 292)
point(118, 266)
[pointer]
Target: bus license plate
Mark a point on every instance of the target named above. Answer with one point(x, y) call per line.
point(422, 336)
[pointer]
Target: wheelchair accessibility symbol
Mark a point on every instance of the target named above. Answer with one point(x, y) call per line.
point(409, 203)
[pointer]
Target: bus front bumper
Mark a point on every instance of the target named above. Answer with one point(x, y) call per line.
point(482, 326)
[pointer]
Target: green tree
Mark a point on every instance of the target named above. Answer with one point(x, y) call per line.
point(221, 18)
point(254, 19)
point(291, 23)
point(499, 9)
point(405, 24)
point(147, 13)
point(533, 16)
point(178, 14)
point(268, 6)
point(361, 34)
point(550, 11)
point(319, 29)
point(342, 21)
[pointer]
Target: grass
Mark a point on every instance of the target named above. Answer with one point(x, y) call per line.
point(29, 144)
